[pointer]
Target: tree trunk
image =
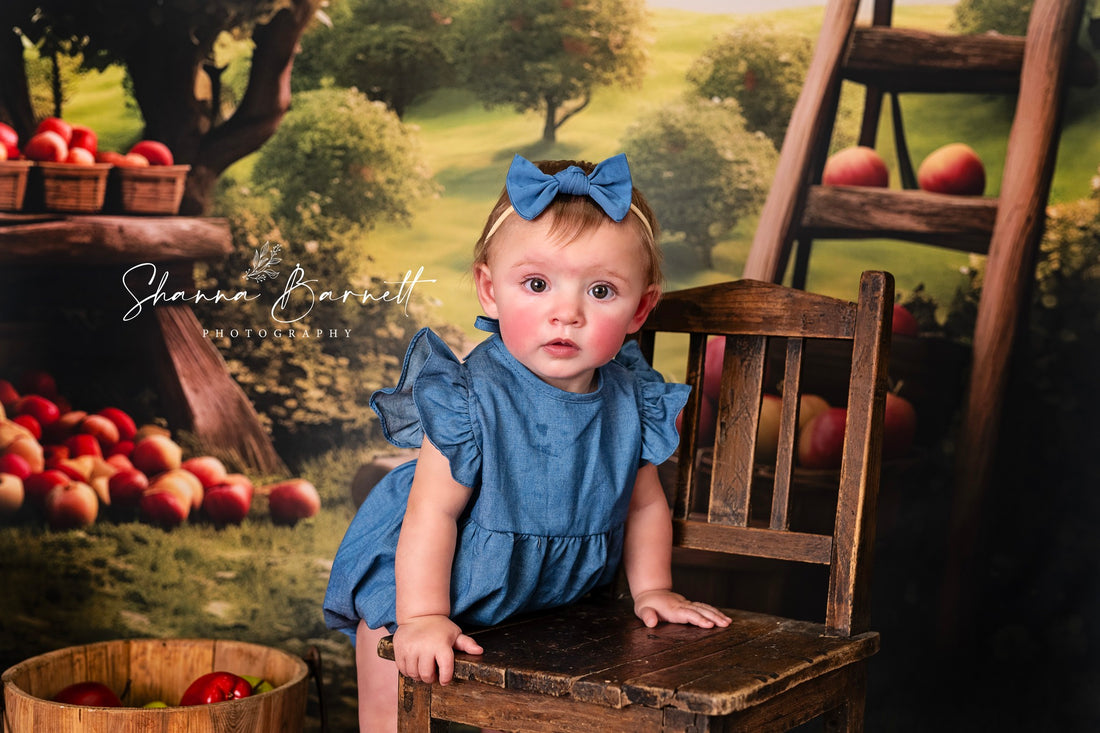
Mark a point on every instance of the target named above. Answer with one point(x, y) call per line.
point(550, 127)
point(15, 98)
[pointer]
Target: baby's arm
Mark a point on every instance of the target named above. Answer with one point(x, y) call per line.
point(647, 557)
point(426, 637)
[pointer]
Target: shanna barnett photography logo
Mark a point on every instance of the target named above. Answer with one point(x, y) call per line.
point(149, 287)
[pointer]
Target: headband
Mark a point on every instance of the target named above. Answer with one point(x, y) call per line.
point(530, 190)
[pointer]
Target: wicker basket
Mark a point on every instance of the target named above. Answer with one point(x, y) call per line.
point(70, 187)
point(157, 189)
point(156, 669)
point(13, 183)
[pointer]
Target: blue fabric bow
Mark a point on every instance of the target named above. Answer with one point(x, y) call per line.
point(531, 191)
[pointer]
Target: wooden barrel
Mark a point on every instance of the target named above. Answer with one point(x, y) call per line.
point(155, 669)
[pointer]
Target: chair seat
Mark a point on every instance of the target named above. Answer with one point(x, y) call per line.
point(598, 652)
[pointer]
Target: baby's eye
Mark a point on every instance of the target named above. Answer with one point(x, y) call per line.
point(535, 284)
point(601, 291)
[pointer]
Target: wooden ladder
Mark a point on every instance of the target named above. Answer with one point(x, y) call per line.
point(1008, 228)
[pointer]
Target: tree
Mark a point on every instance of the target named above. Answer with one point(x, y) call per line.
point(1008, 17)
point(760, 68)
point(164, 47)
point(700, 169)
point(549, 55)
point(394, 51)
point(341, 161)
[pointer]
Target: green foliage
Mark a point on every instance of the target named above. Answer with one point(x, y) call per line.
point(340, 161)
point(543, 54)
point(701, 170)
point(759, 67)
point(394, 51)
point(1008, 17)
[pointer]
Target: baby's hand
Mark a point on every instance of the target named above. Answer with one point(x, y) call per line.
point(664, 605)
point(425, 644)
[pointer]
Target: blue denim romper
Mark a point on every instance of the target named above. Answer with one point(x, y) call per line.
point(552, 473)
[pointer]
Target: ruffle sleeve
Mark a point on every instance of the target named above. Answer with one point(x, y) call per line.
point(659, 404)
point(432, 398)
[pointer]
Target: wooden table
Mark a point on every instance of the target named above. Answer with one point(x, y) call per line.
point(54, 260)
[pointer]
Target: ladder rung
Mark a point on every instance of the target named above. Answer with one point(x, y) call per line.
point(907, 60)
point(961, 223)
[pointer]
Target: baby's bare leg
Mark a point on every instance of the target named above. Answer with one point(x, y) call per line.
point(377, 680)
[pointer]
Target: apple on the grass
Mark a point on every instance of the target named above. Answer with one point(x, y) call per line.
point(858, 165)
point(215, 687)
point(83, 444)
point(165, 507)
point(184, 483)
point(72, 506)
point(155, 454)
point(30, 423)
point(46, 147)
point(208, 469)
point(38, 485)
point(12, 493)
point(16, 465)
point(127, 429)
point(954, 169)
point(127, 486)
point(43, 410)
point(91, 693)
point(102, 429)
point(227, 503)
point(30, 449)
point(292, 500)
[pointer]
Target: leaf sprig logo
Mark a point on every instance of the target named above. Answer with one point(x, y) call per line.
point(263, 262)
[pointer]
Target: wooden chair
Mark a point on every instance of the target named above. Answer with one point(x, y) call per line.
point(594, 666)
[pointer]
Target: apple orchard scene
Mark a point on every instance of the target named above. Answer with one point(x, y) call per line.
point(220, 228)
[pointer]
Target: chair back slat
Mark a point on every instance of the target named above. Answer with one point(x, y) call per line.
point(750, 508)
point(739, 406)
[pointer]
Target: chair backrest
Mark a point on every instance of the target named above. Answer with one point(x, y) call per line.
point(758, 318)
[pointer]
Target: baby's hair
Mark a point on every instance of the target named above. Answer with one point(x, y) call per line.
point(573, 215)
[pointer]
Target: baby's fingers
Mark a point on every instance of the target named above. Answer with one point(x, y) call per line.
point(467, 644)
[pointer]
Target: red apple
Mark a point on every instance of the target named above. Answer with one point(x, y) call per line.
point(38, 485)
point(110, 156)
point(9, 140)
point(71, 506)
point(94, 694)
point(83, 444)
point(47, 147)
point(809, 407)
point(63, 427)
point(12, 493)
point(9, 395)
point(41, 409)
point(127, 429)
point(292, 500)
point(127, 486)
point(31, 450)
point(84, 138)
point(102, 429)
point(215, 687)
point(899, 426)
point(78, 467)
point(182, 482)
point(80, 156)
point(30, 423)
point(15, 464)
point(238, 478)
point(57, 126)
point(164, 507)
point(208, 469)
point(821, 442)
point(157, 153)
point(119, 460)
point(40, 382)
point(155, 454)
point(122, 448)
point(904, 322)
point(856, 166)
point(954, 169)
point(227, 503)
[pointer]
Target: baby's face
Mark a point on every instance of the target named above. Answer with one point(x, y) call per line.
point(565, 307)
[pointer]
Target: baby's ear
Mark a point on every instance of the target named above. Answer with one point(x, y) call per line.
point(649, 299)
point(483, 282)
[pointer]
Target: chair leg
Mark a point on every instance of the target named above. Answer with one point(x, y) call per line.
point(414, 714)
point(848, 718)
